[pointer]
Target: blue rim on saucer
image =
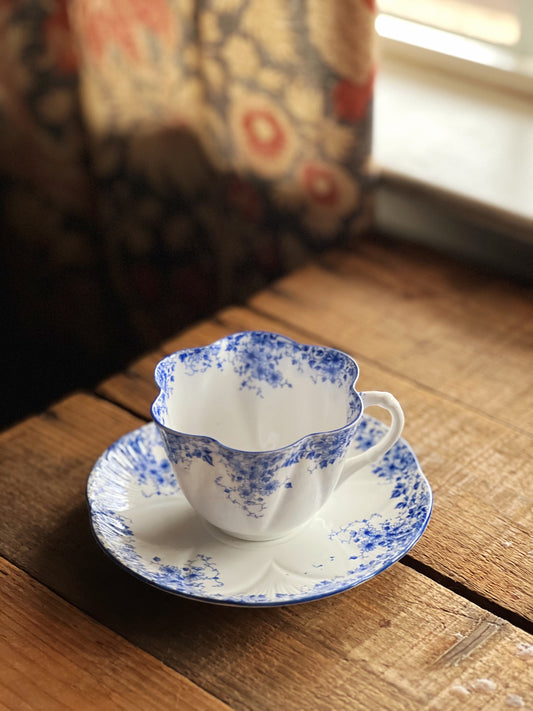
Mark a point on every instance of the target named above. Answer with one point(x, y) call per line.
point(140, 517)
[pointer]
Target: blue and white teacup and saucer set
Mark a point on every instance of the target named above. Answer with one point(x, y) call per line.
point(261, 481)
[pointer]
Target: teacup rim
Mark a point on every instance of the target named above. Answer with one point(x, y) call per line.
point(237, 450)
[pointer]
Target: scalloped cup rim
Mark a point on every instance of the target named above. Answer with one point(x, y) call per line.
point(354, 393)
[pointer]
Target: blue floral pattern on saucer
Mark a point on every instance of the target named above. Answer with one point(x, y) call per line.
point(142, 520)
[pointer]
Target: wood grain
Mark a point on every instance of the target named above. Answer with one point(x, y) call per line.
point(480, 532)
point(481, 472)
point(455, 348)
point(135, 388)
point(397, 642)
point(52, 656)
point(462, 334)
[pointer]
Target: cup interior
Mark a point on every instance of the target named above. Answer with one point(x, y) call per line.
point(256, 391)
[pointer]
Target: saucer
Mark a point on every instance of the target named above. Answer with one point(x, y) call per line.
point(142, 520)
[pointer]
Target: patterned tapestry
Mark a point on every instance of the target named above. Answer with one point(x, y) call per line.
point(162, 158)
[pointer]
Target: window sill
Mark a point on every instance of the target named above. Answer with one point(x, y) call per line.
point(455, 159)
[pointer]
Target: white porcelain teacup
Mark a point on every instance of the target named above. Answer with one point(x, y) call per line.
point(258, 428)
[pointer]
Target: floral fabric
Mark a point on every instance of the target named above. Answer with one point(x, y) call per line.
point(161, 158)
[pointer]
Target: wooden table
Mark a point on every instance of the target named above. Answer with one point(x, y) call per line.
point(447, 627)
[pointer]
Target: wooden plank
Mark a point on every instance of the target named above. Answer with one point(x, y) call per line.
point(480, 470)
point(399, 641)
point(52, 656)
point(135, 388)
point(466, 336)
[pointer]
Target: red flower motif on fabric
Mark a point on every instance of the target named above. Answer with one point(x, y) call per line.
point(320, 185)
point(351, 100)
point(330, 194)
point(263, 132)
point(371, 4)
point(59, 39)
point(103, 24)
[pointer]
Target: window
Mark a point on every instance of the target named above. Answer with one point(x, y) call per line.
point(495, 21)
point(453, 127)
point(493, 39)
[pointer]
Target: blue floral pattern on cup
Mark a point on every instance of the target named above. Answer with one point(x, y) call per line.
point(255, 482)
point(248, 479)
point(255, 356)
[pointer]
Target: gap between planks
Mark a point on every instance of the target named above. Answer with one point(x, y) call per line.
point(471, 595)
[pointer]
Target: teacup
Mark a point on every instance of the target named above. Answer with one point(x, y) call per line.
point(258, 429)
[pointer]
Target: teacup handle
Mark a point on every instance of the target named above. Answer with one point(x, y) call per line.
point(387, 402)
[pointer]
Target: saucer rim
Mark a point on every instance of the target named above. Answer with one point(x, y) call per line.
point(228, 602)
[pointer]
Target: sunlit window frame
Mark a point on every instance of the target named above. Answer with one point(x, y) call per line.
point(463, 220)
point(510, 69)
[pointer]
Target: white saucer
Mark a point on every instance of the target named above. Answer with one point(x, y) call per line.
point(143, 521)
